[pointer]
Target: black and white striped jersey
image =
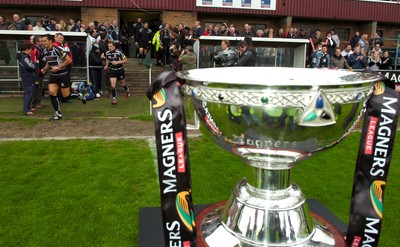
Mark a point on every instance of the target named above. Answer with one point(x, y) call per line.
point(116, 55)
point(54, 57)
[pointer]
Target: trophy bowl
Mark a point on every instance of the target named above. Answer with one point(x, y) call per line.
point(272, 118)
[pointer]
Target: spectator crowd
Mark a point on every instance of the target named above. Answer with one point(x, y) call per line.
point(172, 46)
point(168, 42)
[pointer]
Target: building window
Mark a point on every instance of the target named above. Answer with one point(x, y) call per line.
point(258, 26)
point(343, 33)
point(34, 19)
point(218, 24)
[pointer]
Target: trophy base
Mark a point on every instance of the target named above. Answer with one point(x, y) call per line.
point(209, 224)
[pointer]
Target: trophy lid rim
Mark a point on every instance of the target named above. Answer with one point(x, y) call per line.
point(278, 76)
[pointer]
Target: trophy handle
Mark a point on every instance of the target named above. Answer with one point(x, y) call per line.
point(196, 125)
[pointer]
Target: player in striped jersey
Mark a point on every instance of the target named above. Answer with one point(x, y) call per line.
point(115, 70)
point(58, 61)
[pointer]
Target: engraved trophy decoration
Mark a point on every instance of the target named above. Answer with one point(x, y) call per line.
point(272, 118)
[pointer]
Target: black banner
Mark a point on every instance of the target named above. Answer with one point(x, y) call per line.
point(373, 161)
point(394, 76)
point(173, 161)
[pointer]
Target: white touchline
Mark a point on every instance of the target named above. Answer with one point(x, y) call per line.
point(153, 149)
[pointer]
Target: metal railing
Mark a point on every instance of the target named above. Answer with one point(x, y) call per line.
point(11, 41)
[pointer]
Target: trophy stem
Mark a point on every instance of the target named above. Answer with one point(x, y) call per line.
point(261, 178)
point(265, 209)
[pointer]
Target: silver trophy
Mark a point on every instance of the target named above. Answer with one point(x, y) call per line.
point(273, 118)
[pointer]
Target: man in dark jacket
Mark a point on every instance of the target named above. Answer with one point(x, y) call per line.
point(357, 60)
point(247, 55)
point(96, 62)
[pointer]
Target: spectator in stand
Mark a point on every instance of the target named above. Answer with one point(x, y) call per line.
point(270, 33)
point(144, 41)
point(330, 43)
point(316, 39)
point(3, 25)
point(4, 52)
point(209, 30)
point(377, 48)
point(188, 58)
point(58, 27)
point(224, 30)
point(188, 38)
point(247, 31)
point(37, 55)
point(74, 26)
point(303, 34)
point(174, 55)
point(347, 52)
point(291, 34)
point(335, 38)
point(45, 22)
point(215, 31)
point(52, 25)
point(323, 58)
point(199, 29)
point(18, 23)
point(29, 27)
point(93, 36)
point(363, 42)
point(232, 31)
point(313, 62)
point(63, 26)
point(357, 60)
point(386, 63)
point(114, 33)
point(28, 76)
point(260, 33)
point(82, 27)
point(355, 39)
point(180, 31)
point(281, 33)
point(376, 40)
point(91, 26)
point(176, 38)
point(374, 62)
point(103, 48)
point(338, 61)
point(38, 27)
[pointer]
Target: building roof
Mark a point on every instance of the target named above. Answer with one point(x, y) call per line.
point(358, 10)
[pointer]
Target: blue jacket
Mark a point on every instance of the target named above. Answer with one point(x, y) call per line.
point(357, 64)
point(27, 68)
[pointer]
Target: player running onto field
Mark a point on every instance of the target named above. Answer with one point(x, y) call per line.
point(115, 70)
point(58, 61)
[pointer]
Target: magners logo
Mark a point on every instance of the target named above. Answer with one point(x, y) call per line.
point(376, 192)
point(184, 211)
point(159, 98)
point(379, 88)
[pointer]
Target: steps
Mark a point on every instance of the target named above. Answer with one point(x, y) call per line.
point(137, 75)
